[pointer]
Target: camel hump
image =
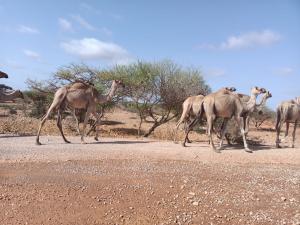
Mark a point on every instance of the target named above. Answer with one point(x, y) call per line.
point(78, 85)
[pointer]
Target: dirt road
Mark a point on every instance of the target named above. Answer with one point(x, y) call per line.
point(144, 181)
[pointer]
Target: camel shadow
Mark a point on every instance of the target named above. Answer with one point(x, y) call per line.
point(256, 147)
point(120, 142)
point(16, 136)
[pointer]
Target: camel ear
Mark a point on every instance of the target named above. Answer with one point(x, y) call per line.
point(269, 94)
point(263, 90)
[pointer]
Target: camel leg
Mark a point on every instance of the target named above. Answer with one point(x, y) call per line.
point(278, 128)
point(294, 134)
point(241, 126)
point(286, 131)
point(228, 139)
point(97, 124)
point(188, 129)
point(223, 132)
point(59, 125)
point(210, 121)
point(52, 107)
point(92, 127)
point(175, 130)
point(86, 119)
point(76, 120)
point(246, 125)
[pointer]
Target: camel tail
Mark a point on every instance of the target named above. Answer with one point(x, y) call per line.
point(198, 117)
point(278, 117)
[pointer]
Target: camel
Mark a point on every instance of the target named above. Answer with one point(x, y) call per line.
point(78, 95)
point(4, 87)
point(226, 105)
point(191, 108)
point(287, 112)
point(3, 75)
point(10, 96)
point(245, 98)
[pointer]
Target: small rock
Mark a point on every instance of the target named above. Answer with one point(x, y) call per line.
point(195, 203)
point(283, 199)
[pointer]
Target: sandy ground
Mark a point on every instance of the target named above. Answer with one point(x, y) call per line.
point(144, 181)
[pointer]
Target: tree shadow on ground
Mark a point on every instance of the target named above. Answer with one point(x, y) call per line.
point(120, 142)
point(16, 135)
point(126, 131)
point(110, 122)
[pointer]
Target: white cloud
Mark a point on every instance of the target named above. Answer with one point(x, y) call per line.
point(90, 8)
point(27, 30)
point(31, 54)
point(83, 22)
point(65, 24)
point(246, 40)
point(284, 71)
point(91, 48)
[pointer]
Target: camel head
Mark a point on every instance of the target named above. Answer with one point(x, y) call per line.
point(19, 94)
point(3, 75)
point(231, 89)
point(297, 100)
point(256, 91)
point(268, 94)
point(119, 83)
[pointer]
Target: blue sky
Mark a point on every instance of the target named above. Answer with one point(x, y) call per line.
point(235, 43)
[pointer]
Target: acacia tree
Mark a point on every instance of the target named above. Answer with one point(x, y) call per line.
point(263, 115)
point(157, 90)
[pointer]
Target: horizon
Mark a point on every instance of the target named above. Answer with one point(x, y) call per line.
point(234, 43)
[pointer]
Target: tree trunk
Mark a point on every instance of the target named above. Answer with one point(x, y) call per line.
point(155, 125)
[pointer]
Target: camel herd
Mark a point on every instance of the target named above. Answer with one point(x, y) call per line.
point(224, 103)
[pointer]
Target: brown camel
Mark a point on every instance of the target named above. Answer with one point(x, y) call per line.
point(3, 75)
point(78, 95)
point(287, 112)
point(191, 108)
point(10, 96)
point(226, 105)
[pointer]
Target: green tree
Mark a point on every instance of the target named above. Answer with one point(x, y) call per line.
point(156, 90)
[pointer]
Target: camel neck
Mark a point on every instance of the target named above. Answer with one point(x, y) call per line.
point(112, 91)
point(263, 101)
point(108, 97)
point(251, 102)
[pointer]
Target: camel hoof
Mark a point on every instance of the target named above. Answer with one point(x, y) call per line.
point(38, 143)
point(216, 150)
point(248, 150)
point(278, 146)
point(188, 141)
point(67, 142)
point(183, 144)
point(96, 139)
